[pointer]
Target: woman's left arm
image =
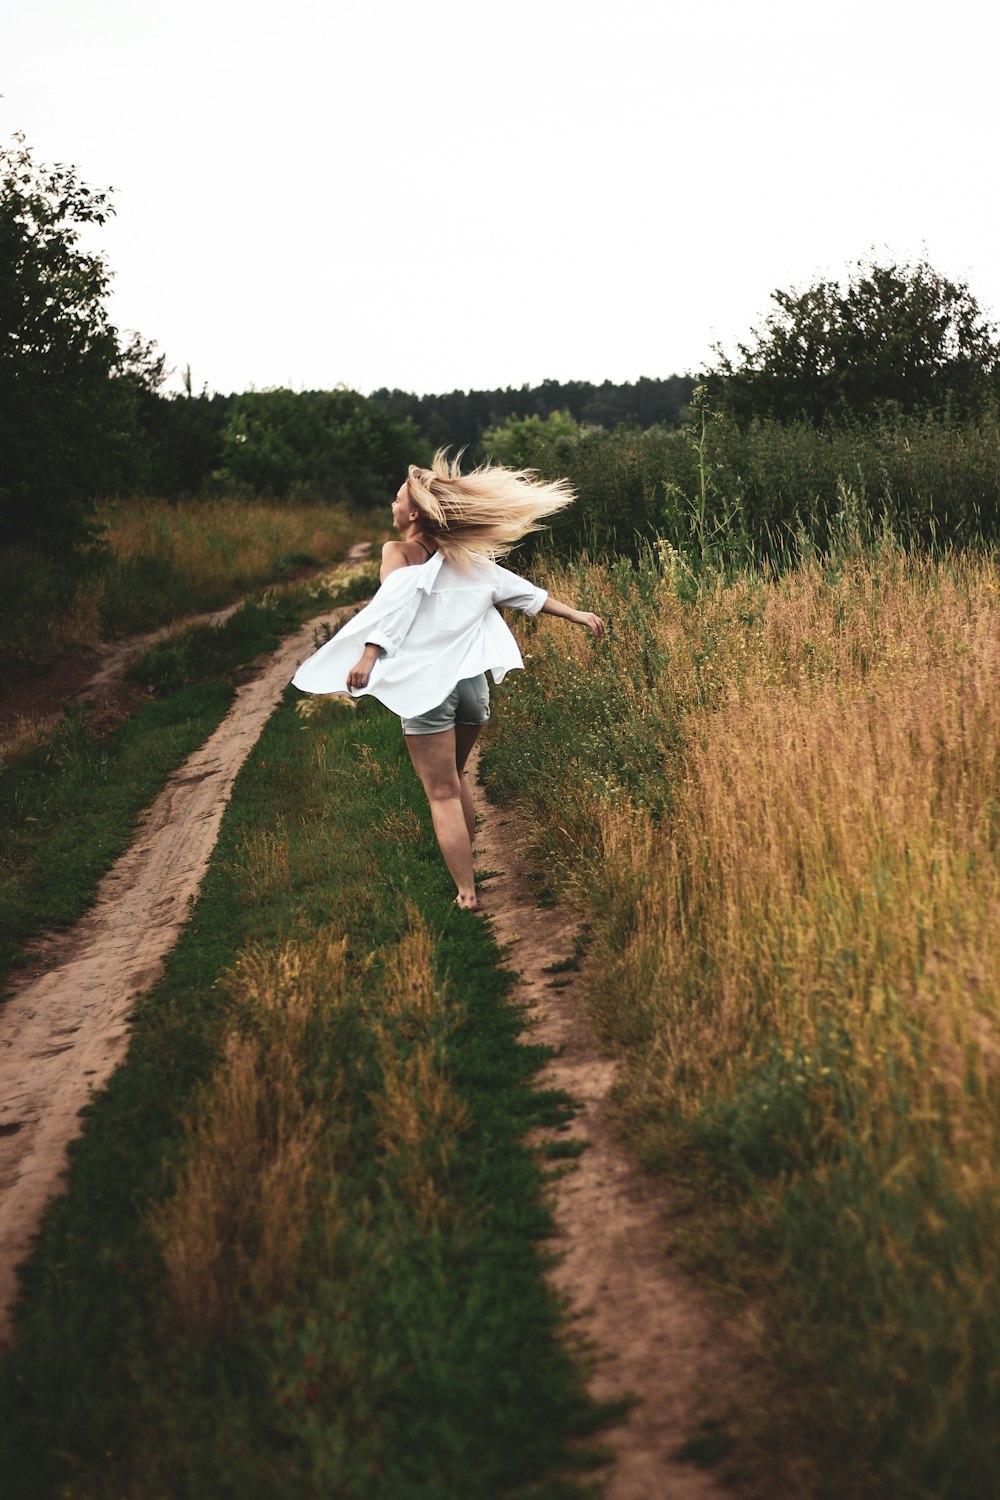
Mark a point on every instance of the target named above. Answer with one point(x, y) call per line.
point(512, 590)
point(591, 622)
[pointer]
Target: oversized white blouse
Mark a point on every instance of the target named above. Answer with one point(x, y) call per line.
point(436, 626)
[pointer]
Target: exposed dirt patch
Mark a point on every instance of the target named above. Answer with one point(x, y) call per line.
point(642, 1322)
point(65, 1027)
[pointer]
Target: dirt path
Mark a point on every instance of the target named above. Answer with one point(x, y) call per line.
point(637, 1315)
point(65, 1027)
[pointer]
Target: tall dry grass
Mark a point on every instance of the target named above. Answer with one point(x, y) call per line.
point(260, 1166)
point(794, 884)
point(162, 561)
point(417, 1113)
point(833, 834)
point(257, 1156)
point(215, 545)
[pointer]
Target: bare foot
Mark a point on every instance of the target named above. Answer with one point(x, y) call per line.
point(468, 903)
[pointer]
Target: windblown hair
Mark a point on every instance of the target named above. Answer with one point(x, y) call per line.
point(485, 511)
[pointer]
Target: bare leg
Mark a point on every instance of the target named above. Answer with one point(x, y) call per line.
point(465, 738)
point(434, 759)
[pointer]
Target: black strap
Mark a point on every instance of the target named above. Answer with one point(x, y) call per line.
point(425, 546)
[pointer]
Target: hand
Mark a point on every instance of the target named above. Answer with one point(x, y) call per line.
point(359, 674)
point(594, 623)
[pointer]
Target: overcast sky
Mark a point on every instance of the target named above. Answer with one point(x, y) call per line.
point(451, 194)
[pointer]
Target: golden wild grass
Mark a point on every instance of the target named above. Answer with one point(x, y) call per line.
point(164, 561)
point(263, 859)
point(213, 544)
point(834, 832)
point(231, 1234)
point(798, 951)
point(417, 1114)
point(260, 1163)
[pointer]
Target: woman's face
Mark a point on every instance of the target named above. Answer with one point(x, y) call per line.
point(403, 511)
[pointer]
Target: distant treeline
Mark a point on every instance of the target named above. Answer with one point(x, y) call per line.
point(330, 443)
point(460, 418)
point(326, 445)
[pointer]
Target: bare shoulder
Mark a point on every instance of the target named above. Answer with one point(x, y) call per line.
point(394, 555)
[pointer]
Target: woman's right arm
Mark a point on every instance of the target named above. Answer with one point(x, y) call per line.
point(385, 631)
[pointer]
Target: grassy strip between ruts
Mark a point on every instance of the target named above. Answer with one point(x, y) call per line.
point(69, 805)
point(298, 1253)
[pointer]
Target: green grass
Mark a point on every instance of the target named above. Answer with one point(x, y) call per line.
point(68, 807)
point(202, 652)
point(414, 1357)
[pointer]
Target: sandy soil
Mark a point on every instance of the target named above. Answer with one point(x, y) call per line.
point(65, 1027)
point(639, 1319)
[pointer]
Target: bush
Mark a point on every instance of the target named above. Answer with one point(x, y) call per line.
point(769, 489)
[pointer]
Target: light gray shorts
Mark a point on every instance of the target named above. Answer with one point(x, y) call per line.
point(467, 703)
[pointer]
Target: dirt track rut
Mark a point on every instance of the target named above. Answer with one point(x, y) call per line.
point(65, 1027)
point(641, 1323)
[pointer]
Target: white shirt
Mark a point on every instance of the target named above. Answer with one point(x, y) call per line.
point(436, 626)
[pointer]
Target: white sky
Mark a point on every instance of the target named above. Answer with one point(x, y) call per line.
point(451, 194)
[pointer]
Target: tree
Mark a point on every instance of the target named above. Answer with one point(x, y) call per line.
point(183, 436)
point(62, 412)
point(461, 419)
point(896, 338)
point(333, 445)
point(517, 441)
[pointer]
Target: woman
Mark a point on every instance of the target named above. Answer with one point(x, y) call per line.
point(432, 631)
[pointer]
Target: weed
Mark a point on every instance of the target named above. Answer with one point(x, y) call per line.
point(563, 966)
point(557, 1150)
point(708, 1446)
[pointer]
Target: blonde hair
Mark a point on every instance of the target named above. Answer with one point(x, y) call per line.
point(484, 512)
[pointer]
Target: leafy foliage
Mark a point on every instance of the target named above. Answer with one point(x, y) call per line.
point(334, 444)
point(462, 418)
point(67, 385)
point(182, 439)
point(516, 441)
point(768, 488)
point(896, 338)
